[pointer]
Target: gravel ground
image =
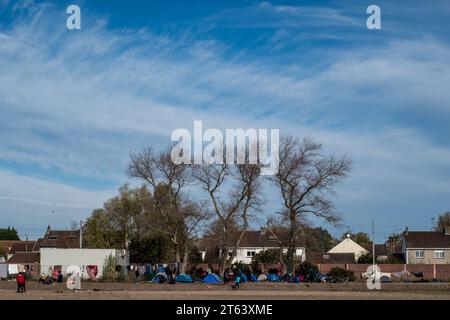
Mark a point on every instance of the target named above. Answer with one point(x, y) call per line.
point(257, 291)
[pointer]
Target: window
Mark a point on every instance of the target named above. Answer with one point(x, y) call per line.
point(53, 237)
point(419, 254)
point(439, 254)
point(251, 253)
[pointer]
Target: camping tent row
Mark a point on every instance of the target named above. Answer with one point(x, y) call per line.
point(213, 278)
point(162, 277)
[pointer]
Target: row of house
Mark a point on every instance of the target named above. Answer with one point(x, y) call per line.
point(59, 250)
point(413, 247)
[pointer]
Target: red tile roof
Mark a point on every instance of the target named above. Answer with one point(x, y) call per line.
point(320, 258)
point(22, 246)
point(427, 239)
point(7, 244)
point(24, 258)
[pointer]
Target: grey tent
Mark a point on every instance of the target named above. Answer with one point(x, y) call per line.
point(262, 277)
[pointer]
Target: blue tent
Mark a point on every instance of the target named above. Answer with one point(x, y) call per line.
point(273, 277)
point(243, 277)
point(253, 278)
point(184, 278)
point(212, 278)
point(160, 278)
point(161, 269)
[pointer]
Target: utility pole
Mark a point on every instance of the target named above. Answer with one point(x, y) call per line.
point(373, 246)
point(26, 243)
point(81, 234)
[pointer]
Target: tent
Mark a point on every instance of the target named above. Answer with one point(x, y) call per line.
point(243, 277)
point(161, 269)
point(253, 278)
point(212, 278)
point(273, 277)
point(262, 277)
point(184, 278)
point(160, 278)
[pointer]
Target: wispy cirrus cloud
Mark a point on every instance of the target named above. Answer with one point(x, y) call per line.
point(74, 104)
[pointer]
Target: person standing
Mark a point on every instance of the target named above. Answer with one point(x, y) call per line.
point(138, 274)
point(225, 277)
point(237, 282)
point(59, 282)
point(20, 282)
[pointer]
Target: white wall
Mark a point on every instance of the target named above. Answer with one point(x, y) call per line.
point(241, 254)
point(80, 257)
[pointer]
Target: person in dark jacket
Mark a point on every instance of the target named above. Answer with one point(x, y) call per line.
point(225, 277)
point(59, 282)
point(137, 274)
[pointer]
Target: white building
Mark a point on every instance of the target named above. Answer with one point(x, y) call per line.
point(348, 245)
point(83, 258)
point(253, 243)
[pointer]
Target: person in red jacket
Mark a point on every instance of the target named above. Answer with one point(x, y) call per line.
point(20, 282)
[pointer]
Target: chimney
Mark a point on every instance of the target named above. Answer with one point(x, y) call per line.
point(446, 230)
point(406, 231)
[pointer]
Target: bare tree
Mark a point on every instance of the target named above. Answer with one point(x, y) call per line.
point(166, 180)
point(243, 182)
point(304, 179)
point(195, 214)
point(442, 223)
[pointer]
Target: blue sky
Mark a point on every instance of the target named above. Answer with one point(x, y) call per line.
point(73, 104)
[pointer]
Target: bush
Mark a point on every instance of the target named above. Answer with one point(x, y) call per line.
point(271, 256)
point(308, 270)
point(109, 269)
point(341, 275)
point(365, 258)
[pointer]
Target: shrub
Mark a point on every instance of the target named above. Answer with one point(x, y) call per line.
point(341, 275)
point(365, 258)
point(270, 256)
point(308, 270)
point(109, 269)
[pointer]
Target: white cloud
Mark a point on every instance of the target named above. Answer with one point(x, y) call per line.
point(79, 102)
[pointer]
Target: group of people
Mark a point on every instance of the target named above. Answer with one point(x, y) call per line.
point(22, 277)
point(232, 277)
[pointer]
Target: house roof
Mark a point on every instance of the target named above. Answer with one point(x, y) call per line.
point(258, 239)
point(22, 246)
point(319, 258)
point(24, 258)
point(380, 249)
point(426, 239)
point(348, 245)
point(37, 244)
point(7, 244)
point(59, 239)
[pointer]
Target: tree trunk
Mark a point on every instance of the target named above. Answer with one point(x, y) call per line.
point(185, 261)
point(292, 242)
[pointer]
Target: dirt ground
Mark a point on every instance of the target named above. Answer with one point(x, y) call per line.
point(256, 291)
